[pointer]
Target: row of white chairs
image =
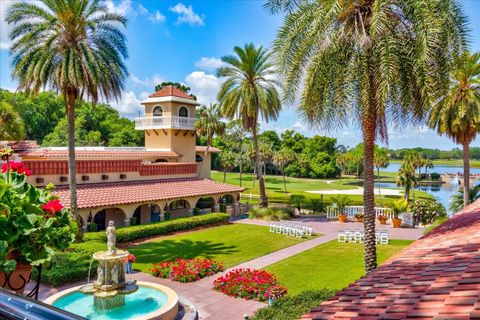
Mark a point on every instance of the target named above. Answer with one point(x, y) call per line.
point(291, 230)
point(358, 236)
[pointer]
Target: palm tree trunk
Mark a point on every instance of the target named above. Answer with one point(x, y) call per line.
point(224, 175)
point(240, 171)
point(261, 182)
point(284, 182)
point(72, 179)
point(466, 174)
point(368, 125)
point(407, 193)
point(378, 180)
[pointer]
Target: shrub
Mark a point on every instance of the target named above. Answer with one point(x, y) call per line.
point(92, 227)
point(195, 211)
point(186, 270)
point(133, 221)
point(167, 216)
point(435, 176)
point(292, 308)
point(249, 284)
point(427, 211)
point(341, 201)
point(223, 208)
point(297, 200)
point(268, 214)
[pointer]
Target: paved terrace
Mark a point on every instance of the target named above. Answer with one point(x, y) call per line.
point(213, 305)
point(437, 277)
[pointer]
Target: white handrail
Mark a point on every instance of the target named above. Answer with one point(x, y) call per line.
point(351, 211)
point(164, 122)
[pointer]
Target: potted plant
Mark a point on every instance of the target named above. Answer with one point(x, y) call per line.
point(382, 218)
point(359, 217)
point(397, 207)
point(341, 202)
point(33, 224)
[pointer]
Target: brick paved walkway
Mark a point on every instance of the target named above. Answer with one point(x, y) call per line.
point(213, 305)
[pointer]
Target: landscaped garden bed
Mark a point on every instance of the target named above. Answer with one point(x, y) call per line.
point(187, 270)
point(250, 285)
point(73, 264)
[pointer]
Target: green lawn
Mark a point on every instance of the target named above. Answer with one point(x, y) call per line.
point(231, 244)
point(331, 265)
point(457, 162)
point(276, 192)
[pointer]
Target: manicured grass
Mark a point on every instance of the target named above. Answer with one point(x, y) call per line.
point(331, 265)
point(276, 192)
point(231, 244)
point(457, 162)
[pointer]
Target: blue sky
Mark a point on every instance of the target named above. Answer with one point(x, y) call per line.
point(183, 41)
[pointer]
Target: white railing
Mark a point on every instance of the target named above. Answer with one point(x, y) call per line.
point(164, 122)
point(351, 211)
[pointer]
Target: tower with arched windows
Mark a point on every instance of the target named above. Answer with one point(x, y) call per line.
point(169, 123)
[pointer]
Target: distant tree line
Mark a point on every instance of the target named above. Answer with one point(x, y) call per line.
point(435, 154)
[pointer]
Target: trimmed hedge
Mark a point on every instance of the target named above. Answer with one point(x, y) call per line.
point(293, 307)
point(73, 264)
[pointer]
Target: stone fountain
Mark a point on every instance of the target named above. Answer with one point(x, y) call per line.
point(110, 288)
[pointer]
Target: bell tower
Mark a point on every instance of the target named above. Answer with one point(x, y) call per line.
point(169, 122)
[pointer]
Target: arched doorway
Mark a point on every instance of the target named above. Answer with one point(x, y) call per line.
point(102, 217)
point(147, 213)
point(179, 208)
point(205, 204)
point(99, 220)
point(227, 199)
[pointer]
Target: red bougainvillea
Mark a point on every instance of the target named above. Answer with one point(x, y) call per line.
point(250, 284)
point(17, 167)
point(186, 270)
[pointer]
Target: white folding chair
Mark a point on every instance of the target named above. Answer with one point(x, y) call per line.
point(272, 227)
point(360, 236)
point(278, 228)
point(341, 237)
point(352, 237)
point(383, 237)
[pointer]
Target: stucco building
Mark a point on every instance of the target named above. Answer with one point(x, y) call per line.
point(169, 176)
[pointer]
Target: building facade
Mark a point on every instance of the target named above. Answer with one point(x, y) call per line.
point(168, 177)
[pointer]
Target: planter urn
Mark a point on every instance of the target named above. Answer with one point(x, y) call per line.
point(397, 223)
point(17, 279)
point(342, 217)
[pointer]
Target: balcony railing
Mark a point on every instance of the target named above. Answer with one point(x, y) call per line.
point(164, 122)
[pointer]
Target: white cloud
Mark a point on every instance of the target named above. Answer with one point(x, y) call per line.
point(209, 63)
point(147, 82)
point(157, 16)
point(187, 15)
point(128, 104)
point(205, 86)
point(124, 7)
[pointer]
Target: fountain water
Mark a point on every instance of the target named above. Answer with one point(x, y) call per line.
point(113, 296)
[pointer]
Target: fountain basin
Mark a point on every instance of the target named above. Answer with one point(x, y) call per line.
point(150, 301)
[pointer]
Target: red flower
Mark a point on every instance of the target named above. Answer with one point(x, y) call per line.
point(17, 167)
point(52, 206)
point(185, 270)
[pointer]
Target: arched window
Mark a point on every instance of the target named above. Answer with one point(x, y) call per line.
point(157, 111)
point(183, 112)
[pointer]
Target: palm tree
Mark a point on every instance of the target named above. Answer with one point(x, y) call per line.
point(282, 158)
point(428, 165)
point(457, 200)
point(381, 162)
point(457, 113)
point(378, 61)
point(228, 162)
point(250, 92)
point(74, 47)
point(11, 124)
point(406, 177)
point(209, 124)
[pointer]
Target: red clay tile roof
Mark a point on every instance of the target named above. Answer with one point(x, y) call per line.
point(135, 154)
point(211, 149)
point(170, 91)
point(437, 277)
point(111, 194)
point(21, 145)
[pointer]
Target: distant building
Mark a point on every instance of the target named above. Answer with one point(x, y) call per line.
point(170, 174)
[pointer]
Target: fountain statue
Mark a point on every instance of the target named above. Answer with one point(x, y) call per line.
point(110, 288)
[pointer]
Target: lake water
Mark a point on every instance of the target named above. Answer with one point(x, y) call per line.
point(443, 191)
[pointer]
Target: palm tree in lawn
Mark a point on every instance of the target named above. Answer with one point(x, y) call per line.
point(249, 92)
point(228, 162)
point(457, 200)
point(282, 158)
point(457, 113)
point(11, 124)
point(208, 124)
point(381, 162)
point(406, 177)
point(74, 47)
point(374, 62)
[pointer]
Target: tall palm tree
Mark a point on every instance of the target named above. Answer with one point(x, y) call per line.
point(375, 62)
point(406, 177)
point(281, 158)
point(250, 92)
point(208, 124)
point(11, 124)
point(73, 46)
point(457, 113)
point(381, 161)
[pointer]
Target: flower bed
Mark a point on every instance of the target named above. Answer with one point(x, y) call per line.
point(250, 285)
point(186, 270)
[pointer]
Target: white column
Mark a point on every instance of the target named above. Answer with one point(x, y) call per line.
point(236, 209)
point(216, 207)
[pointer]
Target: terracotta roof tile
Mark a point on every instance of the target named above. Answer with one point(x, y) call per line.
point(437, 277)
point(79, 154)
point(169, 91)
point(21, 145)
point(111, 194)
